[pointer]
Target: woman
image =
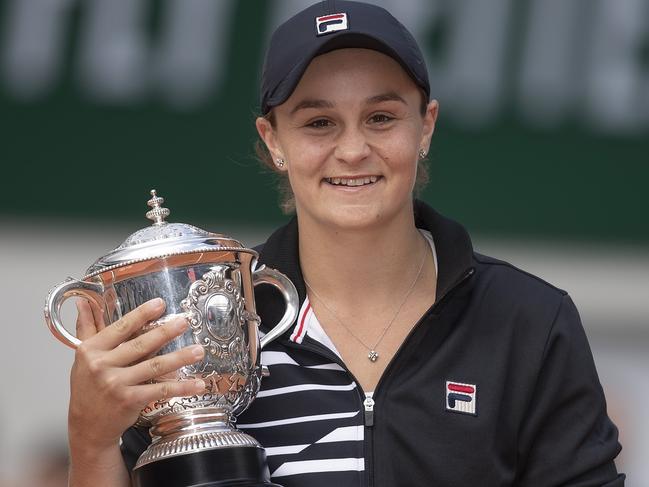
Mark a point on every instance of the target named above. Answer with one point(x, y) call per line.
point(414, 360)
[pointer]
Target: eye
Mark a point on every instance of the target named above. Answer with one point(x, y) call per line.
point(380, 118)
point(320, 123)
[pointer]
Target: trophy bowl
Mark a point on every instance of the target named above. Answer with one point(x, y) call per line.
point(209, 278)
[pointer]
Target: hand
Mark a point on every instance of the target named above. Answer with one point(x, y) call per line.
point(108, 379)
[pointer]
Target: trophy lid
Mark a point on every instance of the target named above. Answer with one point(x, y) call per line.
point(163, 239)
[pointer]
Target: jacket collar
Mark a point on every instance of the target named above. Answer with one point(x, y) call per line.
point(452, 243)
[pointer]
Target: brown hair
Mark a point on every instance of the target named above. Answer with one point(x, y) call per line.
point(287, 198)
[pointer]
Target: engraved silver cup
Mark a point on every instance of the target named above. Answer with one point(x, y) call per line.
point(210, 278)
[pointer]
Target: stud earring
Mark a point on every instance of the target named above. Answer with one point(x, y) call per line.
point(422, 154)
point(279, 162)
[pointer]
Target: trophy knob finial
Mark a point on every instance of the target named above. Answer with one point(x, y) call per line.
point(157, 213)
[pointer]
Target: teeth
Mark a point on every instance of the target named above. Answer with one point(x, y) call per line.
point(352, 182)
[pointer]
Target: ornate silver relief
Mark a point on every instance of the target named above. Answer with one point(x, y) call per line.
point(215, 310)
point(218, 320)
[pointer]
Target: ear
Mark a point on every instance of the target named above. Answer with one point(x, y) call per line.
point(269, 136)
point(430, 117)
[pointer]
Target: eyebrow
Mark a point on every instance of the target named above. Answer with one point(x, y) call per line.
point(312, 103)
point(389, 96)
point(321, 103)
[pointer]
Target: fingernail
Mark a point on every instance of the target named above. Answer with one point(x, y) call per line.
point(199, 385)
point(181, 324)
point(156, 303)
point(197, 351)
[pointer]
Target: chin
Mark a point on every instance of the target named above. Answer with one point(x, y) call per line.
point(359, 215)
point(355, 218)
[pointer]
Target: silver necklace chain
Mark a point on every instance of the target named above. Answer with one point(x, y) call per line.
point(373, 355)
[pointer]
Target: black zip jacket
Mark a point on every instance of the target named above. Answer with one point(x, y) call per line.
point(494, 386)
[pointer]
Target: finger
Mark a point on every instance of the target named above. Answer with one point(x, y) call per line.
point(85, 321)
point(147, 343)
point(98, 315)
point(163, 364)
point(122, 329)
point(146, 393)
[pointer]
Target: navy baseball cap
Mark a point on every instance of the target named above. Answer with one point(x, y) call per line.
point(327, 26)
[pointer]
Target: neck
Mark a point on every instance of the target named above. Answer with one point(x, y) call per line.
point(354, 266)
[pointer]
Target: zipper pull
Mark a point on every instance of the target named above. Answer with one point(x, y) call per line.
point(368, 404)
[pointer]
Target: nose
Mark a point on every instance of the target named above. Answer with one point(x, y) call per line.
point(351, 146)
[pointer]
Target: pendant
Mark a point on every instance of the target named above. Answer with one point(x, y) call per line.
point(373, 355)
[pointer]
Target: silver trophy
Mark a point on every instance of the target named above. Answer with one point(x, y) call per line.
point(210, 279)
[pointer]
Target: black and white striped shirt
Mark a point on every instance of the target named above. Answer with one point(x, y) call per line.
point(309, 414)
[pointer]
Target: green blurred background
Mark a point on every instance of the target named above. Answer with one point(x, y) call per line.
point(102, 102)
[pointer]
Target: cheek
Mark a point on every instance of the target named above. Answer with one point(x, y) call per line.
point(400, 155)
point(401, 160)
point(305, 152)
point(304, 169)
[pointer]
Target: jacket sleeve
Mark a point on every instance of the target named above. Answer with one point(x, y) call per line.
point(567, 438)
point(134, 441)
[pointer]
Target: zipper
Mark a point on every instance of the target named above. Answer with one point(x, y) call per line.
point(368, 404)
point(368, 398)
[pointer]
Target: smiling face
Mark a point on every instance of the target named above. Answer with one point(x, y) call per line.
point(350, 134)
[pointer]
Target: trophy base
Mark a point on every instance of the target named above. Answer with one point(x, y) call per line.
point(233, 467)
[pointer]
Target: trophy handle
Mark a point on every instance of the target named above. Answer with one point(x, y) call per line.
point(68, 288)
point(284, 285)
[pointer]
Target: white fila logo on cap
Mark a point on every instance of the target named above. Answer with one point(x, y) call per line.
point(330, 23)
point(461, 398)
